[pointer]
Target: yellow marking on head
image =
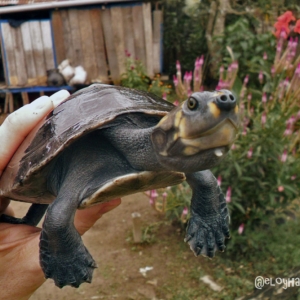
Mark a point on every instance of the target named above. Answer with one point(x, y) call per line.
point(215, 111)
point(190, 151)
point(177, 118)
point(236, 109)
point(182, 127)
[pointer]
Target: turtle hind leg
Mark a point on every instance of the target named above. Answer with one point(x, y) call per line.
point(33, 216)
point(63, 256)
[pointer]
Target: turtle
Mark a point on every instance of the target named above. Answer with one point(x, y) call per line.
point(105, 142)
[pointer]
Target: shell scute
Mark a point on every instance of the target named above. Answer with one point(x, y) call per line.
point(86, 110)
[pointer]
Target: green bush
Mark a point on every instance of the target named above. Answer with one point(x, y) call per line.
point(248, 48)
point(136, 77)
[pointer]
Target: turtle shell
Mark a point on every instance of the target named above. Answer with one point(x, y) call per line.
point(86, 110)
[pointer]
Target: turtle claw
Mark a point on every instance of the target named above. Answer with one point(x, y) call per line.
point(72, 267)
point(206, 236)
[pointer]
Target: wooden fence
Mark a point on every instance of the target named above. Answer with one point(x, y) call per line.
point(95, 38)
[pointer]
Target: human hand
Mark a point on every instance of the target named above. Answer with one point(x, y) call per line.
point(20, 271)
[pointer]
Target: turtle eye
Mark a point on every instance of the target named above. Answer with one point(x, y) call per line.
point(192, 103)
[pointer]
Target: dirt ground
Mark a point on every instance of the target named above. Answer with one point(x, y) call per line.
point(119, 259)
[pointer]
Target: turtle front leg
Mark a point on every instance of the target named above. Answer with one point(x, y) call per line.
point(63, 257)
point(208, 225)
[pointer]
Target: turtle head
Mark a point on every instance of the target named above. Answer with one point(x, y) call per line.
point(200, 130)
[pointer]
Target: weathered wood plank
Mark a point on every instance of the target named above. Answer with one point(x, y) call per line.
point(75, 35)
point(47, 44)
point(148, 38)
point(87, 42)
point(19, 56)
point(157, 23)
point(38, 51)
point(28, 52)
point(128, 31)
point(117, 27)
point(138, 31)
point(9, 51)
point(110, 47)
point(3, 59)
point(70, 54)
point(98, 37)
point(57, 26)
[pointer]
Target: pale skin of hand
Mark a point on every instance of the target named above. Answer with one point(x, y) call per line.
point(20, 271)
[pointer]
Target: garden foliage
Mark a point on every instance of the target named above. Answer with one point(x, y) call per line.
point(260, 175)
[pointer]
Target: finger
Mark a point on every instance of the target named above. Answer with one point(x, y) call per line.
point(59, 97)
point(85, 219)
point(19, 123)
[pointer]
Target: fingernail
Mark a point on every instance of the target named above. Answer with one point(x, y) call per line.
point(59, 97)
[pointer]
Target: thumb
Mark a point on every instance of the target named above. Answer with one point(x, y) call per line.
point(85, 219)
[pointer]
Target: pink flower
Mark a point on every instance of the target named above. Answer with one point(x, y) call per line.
point(284, 34)
point(297, 72)
point(153, 194)
point(261, 77)
point(197, 65)
point(293, 177)
point(246, 79)
point(250, 152)
point(175, 80)
point(286, 83)
point(280, 188)
point(273, 71)
point(184, 214)
point(244, 130)
point(291, 120)
point(164, 96)
point(221, 70)
point(164, 195)
point(241, 228)
point(185, 211)
point(201, 60)
point(263, 118)
point(265, 57)
point(228, 195)
point(234, 65)
point(185, 76)
point(288, 130)
point(176, 102)
point(284, 156)
point(178, 67)
point(233, 147)
point(264, 98)
point(219, 180)
point(249, 97)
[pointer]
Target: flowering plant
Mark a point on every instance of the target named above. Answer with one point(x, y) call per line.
point(135, 77)
point(260, 175)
